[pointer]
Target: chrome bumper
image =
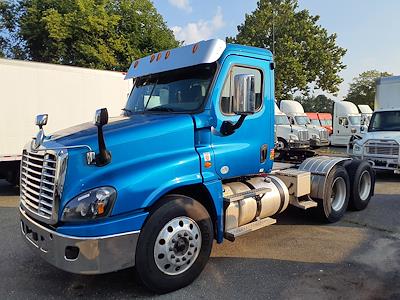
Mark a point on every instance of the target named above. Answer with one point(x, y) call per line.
point(319, 143)
point(82, 255)
point(379, 162)
point(299, 145)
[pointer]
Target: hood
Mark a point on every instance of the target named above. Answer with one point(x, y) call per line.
point(141, 146)
point(382, 135)
point(314, 128)
point(119, 129)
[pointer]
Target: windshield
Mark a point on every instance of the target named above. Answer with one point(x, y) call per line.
point(281, 120)
point(385, 121)
point(355, 120)
point(182, 90)
point(302, 120)
point(315, 122)
point(326, 122)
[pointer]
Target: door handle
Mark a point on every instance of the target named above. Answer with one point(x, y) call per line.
point(263, 153)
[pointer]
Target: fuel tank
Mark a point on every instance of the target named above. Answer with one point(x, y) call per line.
point(273, 201)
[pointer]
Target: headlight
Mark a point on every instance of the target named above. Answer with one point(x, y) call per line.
point(293, 137)
point(93, 204)
point(357, 148)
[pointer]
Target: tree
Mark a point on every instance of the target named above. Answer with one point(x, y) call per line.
point(363, 88)
point(304, 51)
point(321, 103)
point(103, 34)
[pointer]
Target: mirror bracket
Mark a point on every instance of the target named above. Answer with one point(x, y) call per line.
point(228, 128)
point(104, 156)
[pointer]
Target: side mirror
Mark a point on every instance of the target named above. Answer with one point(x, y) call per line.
point(244, 102)
point(41, 120)
point(101, 117)
point(104, 156)
point(244, 95)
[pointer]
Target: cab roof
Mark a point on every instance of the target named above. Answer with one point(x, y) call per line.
point(194, 54)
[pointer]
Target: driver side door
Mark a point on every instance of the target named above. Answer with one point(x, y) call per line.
point(247, 150)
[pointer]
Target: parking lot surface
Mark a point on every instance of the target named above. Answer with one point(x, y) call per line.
point(299, 258)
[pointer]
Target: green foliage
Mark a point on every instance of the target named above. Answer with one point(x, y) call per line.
point(5, 13)
point(103, 34)
point(321, 103)
point(304, 51)
point(363, 88)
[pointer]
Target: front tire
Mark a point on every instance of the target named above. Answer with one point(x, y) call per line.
point(174, 244)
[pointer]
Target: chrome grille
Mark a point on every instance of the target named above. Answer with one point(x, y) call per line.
point(388, 148)
point(323, 134)
point(303, 135)
point(38, 188)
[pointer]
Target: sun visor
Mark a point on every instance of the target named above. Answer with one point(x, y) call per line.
point(190, 55)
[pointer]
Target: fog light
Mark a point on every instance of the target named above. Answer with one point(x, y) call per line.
point(71, 252)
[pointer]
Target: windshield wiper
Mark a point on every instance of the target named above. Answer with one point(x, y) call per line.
point(160, 108)
point(127, 110)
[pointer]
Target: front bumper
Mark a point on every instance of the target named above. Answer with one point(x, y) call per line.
point(379, 162)
point(299, 145)
point(319, 143)
point(82, 255)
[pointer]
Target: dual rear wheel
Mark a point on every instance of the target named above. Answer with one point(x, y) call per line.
point(350, 186)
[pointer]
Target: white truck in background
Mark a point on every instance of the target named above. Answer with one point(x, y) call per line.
point(381, 143)
point(289, 136)
point(346, 122)
point(366, 114)
point(295, 112)
point(68, 94)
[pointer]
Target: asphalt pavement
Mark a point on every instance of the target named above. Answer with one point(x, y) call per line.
point(298, 258)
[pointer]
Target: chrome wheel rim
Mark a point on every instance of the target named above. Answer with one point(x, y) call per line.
point(338, 195)
point(280, 145)
point(364, 185)
point(177, 246)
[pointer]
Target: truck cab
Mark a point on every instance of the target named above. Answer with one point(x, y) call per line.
point(190, 161)
point(366, 114)
point(294, 110)
point(289, 136)
point(380, 144)
point(326, 121)
point(346, 122)
point(321, 119)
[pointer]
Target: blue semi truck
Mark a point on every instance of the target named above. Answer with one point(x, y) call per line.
point(189, 162)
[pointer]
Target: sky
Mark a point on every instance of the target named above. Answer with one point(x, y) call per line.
point(368, 29)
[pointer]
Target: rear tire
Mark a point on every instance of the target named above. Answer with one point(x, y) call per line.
point(336, 196)
point(361, 185)
point(174, 244)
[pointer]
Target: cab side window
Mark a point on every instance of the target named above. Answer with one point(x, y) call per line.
point(227, 90)
point(343, 121)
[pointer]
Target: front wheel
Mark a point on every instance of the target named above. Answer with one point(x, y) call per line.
point(174, 244)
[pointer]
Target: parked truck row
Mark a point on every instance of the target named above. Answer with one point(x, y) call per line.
point(323, 129)
point(190, 161)
point(380, 144)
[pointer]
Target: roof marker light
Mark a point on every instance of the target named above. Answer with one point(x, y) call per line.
point(152, 57)
point(167, 54)
point(195, 47)
point(136, 64)
point(159, 56)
